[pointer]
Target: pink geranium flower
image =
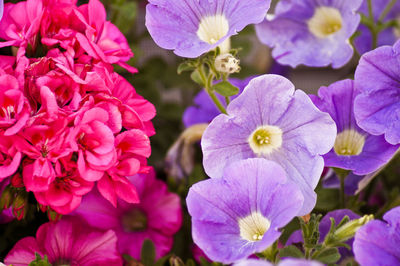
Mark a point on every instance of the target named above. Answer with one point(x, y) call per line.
point(102, 40)
point(14, 108)
point(93, 140)
point(132, 148)
point(157, 217)
point(67, 242)
point(66, 191)
point(20, 24)
point(10, 158)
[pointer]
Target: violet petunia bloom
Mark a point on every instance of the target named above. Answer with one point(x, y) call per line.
point(157, 217)
point(273, 121)
point(313, 33)
point(67, 242)
point(354, 149)
point(194, 27)
point(377, 242)
point(285, 262)
point(204, 109)
point(377, 107)
point(363, 42)
point(324, 227)
point(241, 213)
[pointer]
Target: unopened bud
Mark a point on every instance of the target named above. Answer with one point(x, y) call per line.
point(20, 205)
point(176, 261)
point(349, 229)
point(16, 181)
point(227, 63)
point(53, 216)
point(7, 198)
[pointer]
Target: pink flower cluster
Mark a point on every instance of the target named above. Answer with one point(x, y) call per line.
point(67, 120)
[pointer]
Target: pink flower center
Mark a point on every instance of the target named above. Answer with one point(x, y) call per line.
point(62, 262)
point(134, 221)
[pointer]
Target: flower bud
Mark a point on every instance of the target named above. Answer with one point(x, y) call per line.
point(227, 63)
point(16, 181)
point(20, 205)
point(176, 261)
point(7, 198)
point(348, 230)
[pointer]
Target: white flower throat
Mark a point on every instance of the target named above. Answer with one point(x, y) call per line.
point(325, 22)
point(253, 227)
point(349, 142)
point(265, 139)
point(212, 29)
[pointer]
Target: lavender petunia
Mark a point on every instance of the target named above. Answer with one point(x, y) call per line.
point(377, 242)
point(241, 213)
point(194, 27)
point(354, 149)
point(272, 120)
point(324, 227)
point(204, 109)
point(313, 33)
point(363, 42)
point(377, 107)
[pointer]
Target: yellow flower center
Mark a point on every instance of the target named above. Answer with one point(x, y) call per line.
point(212, 29)
point(325, 22)
point(349, 142)
point(253, 227)
point(265, 139)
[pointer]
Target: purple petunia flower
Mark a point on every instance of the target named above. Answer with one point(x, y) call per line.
point(313, 33)
point(272, 120)
point(363, 42)
point(285, 262)
point(157, 217)
point(204, 109)
point(324, 227)
point(377, 242)
point(194, 27)
point(331, 180)
point(241, 213)
point(377, 107)
point(354, 149)
point(67, 242)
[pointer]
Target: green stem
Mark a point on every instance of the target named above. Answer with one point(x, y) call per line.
point(387, 9)
point(341, 192)
point(372, 28)
point(208, 84)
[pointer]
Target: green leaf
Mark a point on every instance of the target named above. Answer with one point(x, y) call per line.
point(148, 253)
point(196, 77)
point(327, 256)
point(186, 66)
point(226, 89)
point(291, 251)
point(163, 260)
point(190, 262)
point(39, 261)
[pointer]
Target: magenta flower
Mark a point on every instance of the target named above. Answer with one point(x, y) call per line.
point(102, 40)
point(313, 33)
point(271, 120)
point(192, 28)
point(241, 213)
point(14, 107)
point(67, 242)
point(354, 149)
point(10, 157)
point(157, 217)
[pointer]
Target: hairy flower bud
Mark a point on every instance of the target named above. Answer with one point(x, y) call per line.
point(227, 63)
point(7, 198)
point(348, 230)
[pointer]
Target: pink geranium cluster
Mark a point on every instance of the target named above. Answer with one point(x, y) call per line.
point(67, 120)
